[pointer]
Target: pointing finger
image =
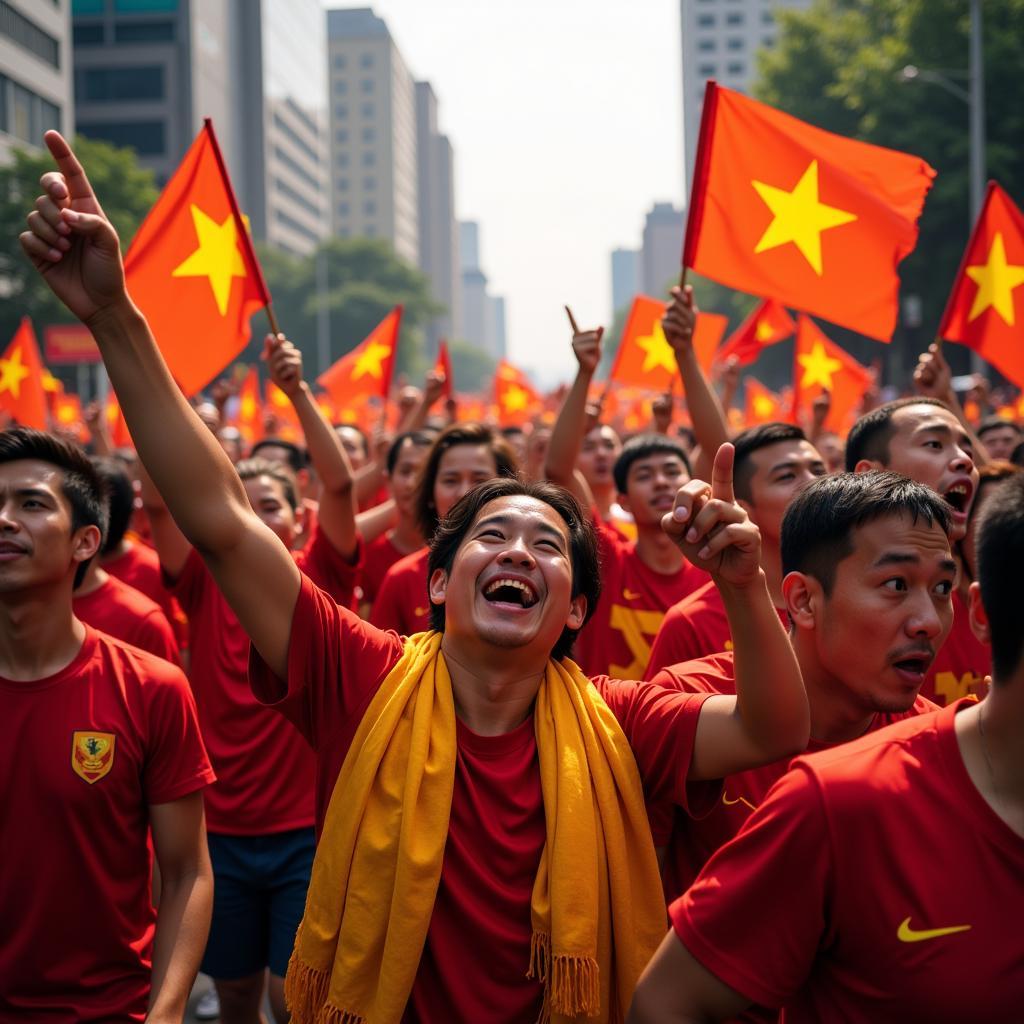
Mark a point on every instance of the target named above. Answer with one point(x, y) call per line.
point(74, 176)
point(721, 475)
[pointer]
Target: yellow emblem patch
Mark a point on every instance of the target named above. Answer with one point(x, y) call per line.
point(92, 754)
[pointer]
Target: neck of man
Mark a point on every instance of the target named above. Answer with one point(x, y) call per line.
point(493, 692)
point(836, 715)
point(406, 535)
point(39, 634)
point(656, 550)
point(771, 562)
point(604, 498)
point(95, 577)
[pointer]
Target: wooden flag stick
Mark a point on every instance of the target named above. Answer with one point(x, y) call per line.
point(682, 277)
point(572, 321)
point(274, 329)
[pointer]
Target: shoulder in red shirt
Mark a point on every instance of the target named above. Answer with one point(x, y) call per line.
point(139, 567)
point(126, 614)
point(87, 751)
point(402, 603)
point(380, 555)
point(874, 883)
point(963, 661)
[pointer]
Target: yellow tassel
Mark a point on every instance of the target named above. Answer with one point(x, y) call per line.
point(305, 990)
point(540, 957)
point(332, 1015)
point(574, 985)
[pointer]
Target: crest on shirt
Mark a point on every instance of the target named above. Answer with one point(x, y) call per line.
point(92, 754)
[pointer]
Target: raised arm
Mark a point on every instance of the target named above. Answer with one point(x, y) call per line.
point(709, 423)
point(76, 250)
point(567, 433)
point(326, 452)
point(416, 417)
point(768, 719)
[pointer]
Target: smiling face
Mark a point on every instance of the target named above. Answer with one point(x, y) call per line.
point(510, 583)
point(651, 486)
point(37, 544)
point(461, 468)
point(598, 452)
point(889, 610)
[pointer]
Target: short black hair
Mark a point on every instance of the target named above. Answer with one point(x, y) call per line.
point(994, 423)
point(452, 437)
point(817, 529)
point(417, 438)
point(1000, 547)
point(120, 494)
point(297, 458)
point(253, 467)
point(869, 437)
point(751, 440)
point(583, 551)
point(80, 483)
point(641, 447)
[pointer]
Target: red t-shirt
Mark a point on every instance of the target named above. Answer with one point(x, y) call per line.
point(380, 555)
point(265, 771)
point(963, 661)
point(474, 963)
point(139, 567)
point(691, 843)
point(126, 614)
point(634, 599)
point(873, 884)
point(402, 603)
point(86, 752)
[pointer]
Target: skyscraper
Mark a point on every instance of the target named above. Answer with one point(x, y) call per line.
point(35, 72)
point(625, 278)
point(474, 325)
point(660, 255)
point(374, 174)
point(720, 39)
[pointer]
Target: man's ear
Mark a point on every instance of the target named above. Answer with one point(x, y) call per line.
point(577, 612)
point(804, 597)
point(85, 542)
point(865, 465)
point(437, 588)
point(977, 615)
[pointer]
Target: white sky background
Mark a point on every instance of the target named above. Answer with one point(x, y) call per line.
point(566, 120)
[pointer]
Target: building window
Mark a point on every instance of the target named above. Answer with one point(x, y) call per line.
point(81, 7)
point(366, 85)
point(144, 32)
point(87, 35)
point(734, 18)
point(343, 209)
point(340, 87)
point(370, 231)
point(767, 40)
point(737, 68)
point(366, 110)
point(109, 85)
point(369, 135)
point(767, 18)
point(369, 208)
point(342, 160)
point(343, 184)
point(339, 61)
point(706, 45)
point(369, 158)
point(366, 60)
point(144, 6)
point(296, 168)
point(28, 35)
point(734, 43)
point(345, 233)
point(707, 70)
point(341, 135)
point(705, 21)
point(341, 111)
point(369, 183)
point(147, 138)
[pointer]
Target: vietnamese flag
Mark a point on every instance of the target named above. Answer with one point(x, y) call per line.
point(707, 336)
point(22, 395)
point(67, 413)
point(767, 324)
point(762, 405)
point(820, 363)
point(815, 220)
point(515, 396)
point(368, 368)
point(444, 365)
point(192, 269)
point(117, 428)
point(249, 417)
point(985, 310)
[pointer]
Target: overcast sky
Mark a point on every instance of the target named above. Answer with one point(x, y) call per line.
point(565, 117)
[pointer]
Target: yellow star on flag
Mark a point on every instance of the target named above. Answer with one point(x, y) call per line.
point(371, 361)
point(50, 383)
point(247, 407)
point(763, 405)
point(12, 372)
point(818, 367)
point(799, 217)
point(514, 398)
point(657, 350)
point(217, 257)
point(996, 280)
point(764, 331)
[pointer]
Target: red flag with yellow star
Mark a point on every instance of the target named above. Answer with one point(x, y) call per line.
point(762, 405)
point(367, 369)
point(249, 416)
point(816, 220)
point(820, 363)
point(193, 271)
point(444, 365)
point(985, 310)
point(767, 324)
point(515, 396)
point(67, 414)
point(22, 395)
point(117, 428)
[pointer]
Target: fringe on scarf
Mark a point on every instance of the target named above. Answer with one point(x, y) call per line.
point(571, 983)
point(305, 995)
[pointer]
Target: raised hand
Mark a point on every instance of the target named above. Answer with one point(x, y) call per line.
point(69, 239)
point(433, 387)
point(820, 408)
point(284, 361)
point(932, 375)
point(586, 347)
point(712, 530)
point(680, 320)
point(661, 412)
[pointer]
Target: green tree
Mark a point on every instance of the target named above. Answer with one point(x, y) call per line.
point(472, 368)
point(126, 190)
point(838, 66)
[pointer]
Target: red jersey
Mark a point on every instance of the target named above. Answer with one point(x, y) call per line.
point(265, 771)
point(123, 612)
point(874, 883)
point(496, 831)
point(691, 843)
point(86, 752)
point(380, 555)
point(963, 661)
point(139, 567)
point(402, 603)
point(634, 598)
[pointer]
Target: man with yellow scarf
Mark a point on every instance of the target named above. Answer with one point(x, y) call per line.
point(484, 851)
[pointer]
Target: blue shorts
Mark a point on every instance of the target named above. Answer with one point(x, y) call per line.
point(259, 895)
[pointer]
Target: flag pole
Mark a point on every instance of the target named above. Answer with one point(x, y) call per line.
point(274, 329)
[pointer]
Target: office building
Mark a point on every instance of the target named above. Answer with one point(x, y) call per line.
point(497, 338)
point(148, 71)
point(720, 39)
point(372, 102)
point(475, 322)
point(625, 278)
point(661, 251)
point(35, 72)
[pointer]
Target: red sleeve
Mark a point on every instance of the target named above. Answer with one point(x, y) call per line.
point(329, 570)
point(188, 587)
point(335, 664)
point(661, 726)
point(388, 609)
point(159, 637)
point(713, 674)
point(756, 916)
point(176, 760)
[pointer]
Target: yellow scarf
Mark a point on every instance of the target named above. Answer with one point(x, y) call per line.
point(597, 908)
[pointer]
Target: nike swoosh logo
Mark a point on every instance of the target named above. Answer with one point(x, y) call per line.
point(630, 595)
point(737, 800)
point(421, 611)
point(907, 934)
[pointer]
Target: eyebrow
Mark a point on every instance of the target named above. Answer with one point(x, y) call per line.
point(794, 464)
point(504, 519)
point(906, 558)
point(33, 492)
